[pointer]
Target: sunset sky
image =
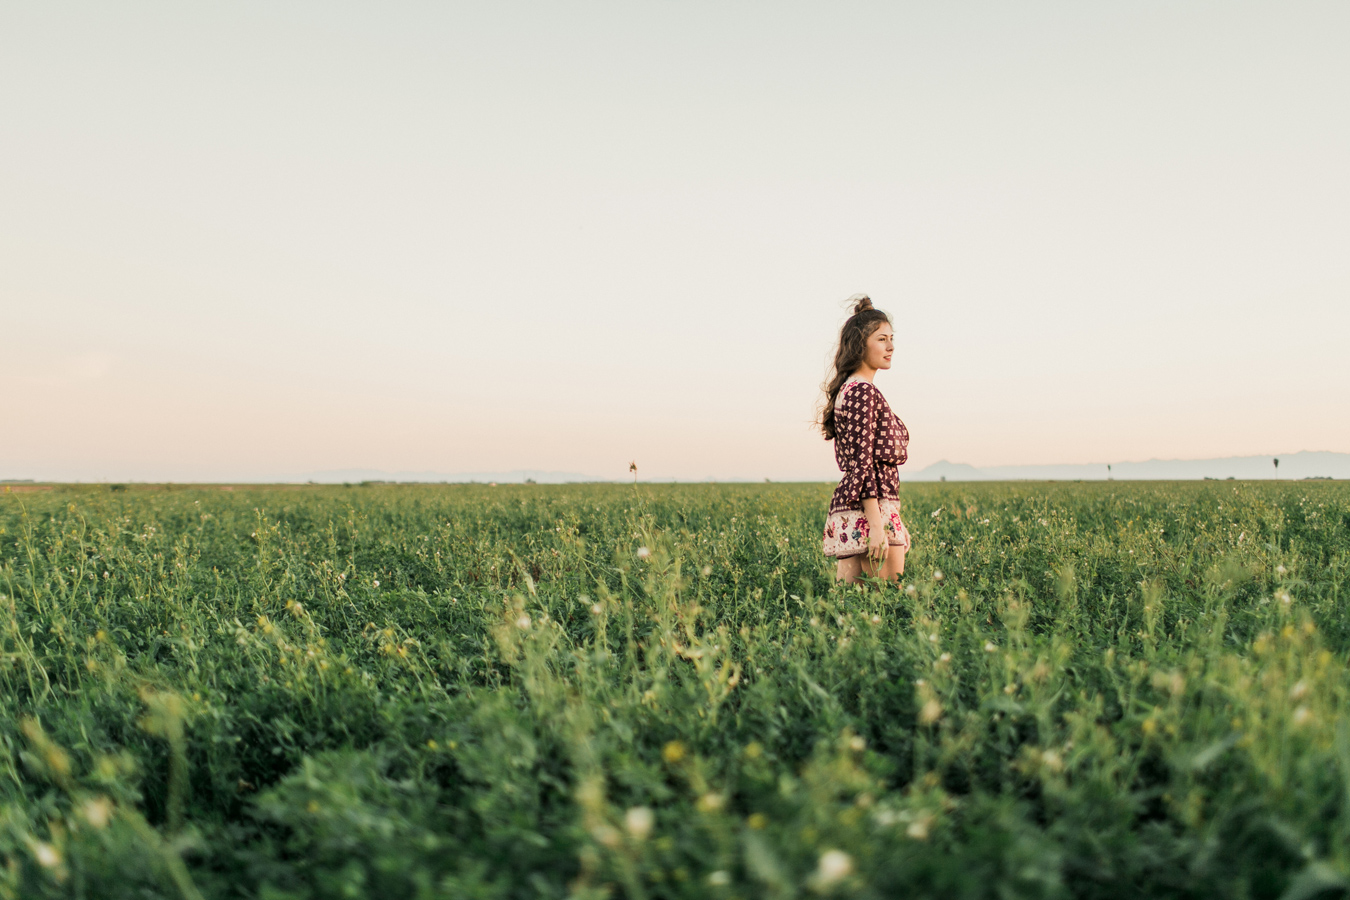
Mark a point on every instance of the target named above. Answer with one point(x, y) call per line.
point(265, 240)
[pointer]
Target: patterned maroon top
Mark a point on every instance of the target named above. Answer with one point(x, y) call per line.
point(870, 442)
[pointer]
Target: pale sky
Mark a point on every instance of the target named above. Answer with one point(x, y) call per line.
point(257, 240)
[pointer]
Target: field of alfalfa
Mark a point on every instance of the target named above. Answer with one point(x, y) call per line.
point(1081, 690)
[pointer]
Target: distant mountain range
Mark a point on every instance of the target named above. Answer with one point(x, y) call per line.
point(1304, 464)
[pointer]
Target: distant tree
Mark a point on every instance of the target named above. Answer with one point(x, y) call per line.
point(1277, 466)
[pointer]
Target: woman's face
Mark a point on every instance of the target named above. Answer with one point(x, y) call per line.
point(880, 347)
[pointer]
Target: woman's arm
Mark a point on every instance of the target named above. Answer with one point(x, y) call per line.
point(877, 544)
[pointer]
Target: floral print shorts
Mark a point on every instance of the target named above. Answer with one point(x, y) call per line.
point(846, 532)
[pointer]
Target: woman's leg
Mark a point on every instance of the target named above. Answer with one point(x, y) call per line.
point(890, 569)
point(849, 569)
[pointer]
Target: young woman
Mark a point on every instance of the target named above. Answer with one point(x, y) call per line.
point(864, 531)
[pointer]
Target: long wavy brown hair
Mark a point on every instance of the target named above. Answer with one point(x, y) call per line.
point(850, 355)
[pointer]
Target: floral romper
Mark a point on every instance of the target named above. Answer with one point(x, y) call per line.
point(870, 444)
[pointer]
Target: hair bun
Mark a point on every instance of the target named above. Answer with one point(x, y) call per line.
point(860, 302)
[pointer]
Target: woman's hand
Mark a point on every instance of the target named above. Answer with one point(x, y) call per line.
point(878, 544)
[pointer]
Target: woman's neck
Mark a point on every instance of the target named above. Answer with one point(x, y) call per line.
point(864, 373)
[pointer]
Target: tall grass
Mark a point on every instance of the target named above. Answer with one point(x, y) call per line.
point(1095, 690)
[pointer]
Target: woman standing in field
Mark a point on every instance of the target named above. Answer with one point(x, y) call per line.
point(864, 531)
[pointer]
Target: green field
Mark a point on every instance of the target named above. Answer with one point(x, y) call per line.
point(1081, 690)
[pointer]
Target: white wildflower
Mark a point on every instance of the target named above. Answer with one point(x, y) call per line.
point(639, 821)
point(97, 811)
point(47, 856)
point(711, 802)
point(835, 866)
point(523, 622)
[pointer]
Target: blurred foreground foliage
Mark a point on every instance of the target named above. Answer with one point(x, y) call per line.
point(1081, 690)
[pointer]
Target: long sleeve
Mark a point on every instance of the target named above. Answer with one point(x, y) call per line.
point(865, 462)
